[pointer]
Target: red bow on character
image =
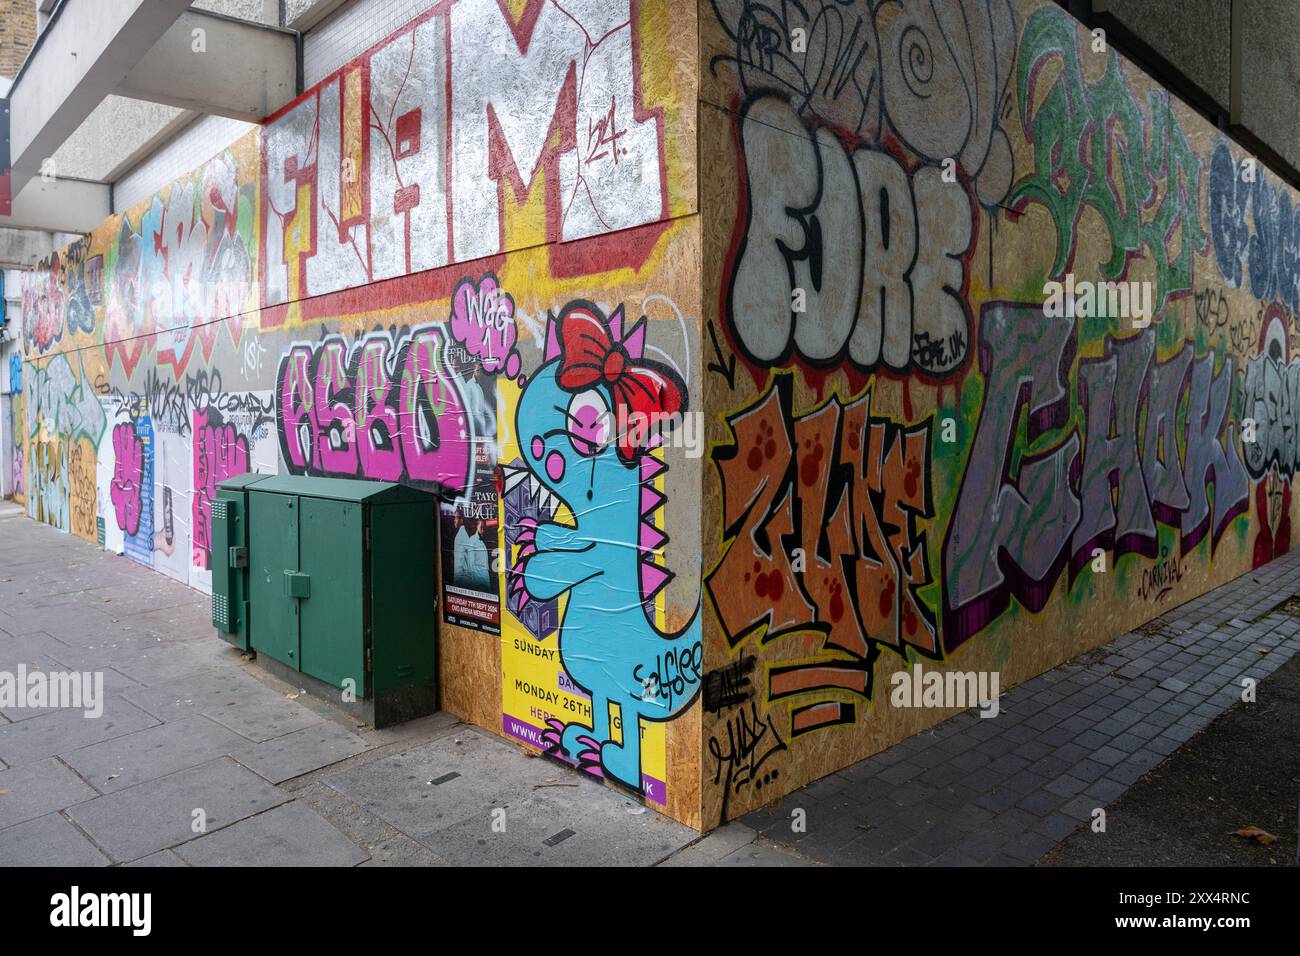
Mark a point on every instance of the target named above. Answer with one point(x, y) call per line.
point(644, 392)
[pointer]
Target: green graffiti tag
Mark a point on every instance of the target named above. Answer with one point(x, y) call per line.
point(1095, 147)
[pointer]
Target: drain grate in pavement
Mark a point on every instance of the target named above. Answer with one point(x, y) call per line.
point(559, 837)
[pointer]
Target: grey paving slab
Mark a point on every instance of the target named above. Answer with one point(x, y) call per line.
point(160, 813)
point(147, 658)
point(870, 845)
point(384, 843)
point(26, 648)
point(151, 753)
point(187, 621)
point(161, 858)
point(88, 590)
point(63, 731)
point(416, 731)
point(300, 752)
point(1105, 791)
point(402, 851)
point(263, 717)
point(108, 649)
point(713, 847)
point(288, 835)
point(561, 828)
point(472, 773)
point(147, 596)
point(907, 855)
point(48, 841)
point(448, 794)
point(762, 853)
point(112, 684)
point(35, 789)
point(830, 831)
point(205, 692)
point(71, 621)
point(981, 845)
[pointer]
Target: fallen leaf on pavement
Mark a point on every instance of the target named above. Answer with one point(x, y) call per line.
point(1262, 837)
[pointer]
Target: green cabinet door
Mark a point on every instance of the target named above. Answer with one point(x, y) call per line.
point(331, 551)
point(227, 591)
point(273, 555)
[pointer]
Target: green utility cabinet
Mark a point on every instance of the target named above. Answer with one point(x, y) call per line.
point(230, 558)
point(336, 589)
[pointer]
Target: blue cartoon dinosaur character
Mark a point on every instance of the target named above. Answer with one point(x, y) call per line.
point(582, 425)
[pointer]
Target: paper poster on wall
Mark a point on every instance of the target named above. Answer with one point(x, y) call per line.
point(468, 523)
point(538, 694)
point(132, 490)
point(469, 548)
point(171, 538)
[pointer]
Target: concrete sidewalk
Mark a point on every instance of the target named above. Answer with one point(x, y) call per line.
point(193, 732)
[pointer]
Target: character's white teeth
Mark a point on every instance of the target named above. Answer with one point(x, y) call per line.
point(538, 493)
point(516, 477)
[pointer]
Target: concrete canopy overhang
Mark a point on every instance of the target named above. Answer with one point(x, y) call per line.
point(157, 50)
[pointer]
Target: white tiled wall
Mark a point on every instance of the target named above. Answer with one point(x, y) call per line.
point(351, 30)
point(191, 148)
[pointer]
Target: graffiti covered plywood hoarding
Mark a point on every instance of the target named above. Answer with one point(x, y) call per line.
point(362, 288)
point(17, 463)
point(442, 202)
point(140, 396)
point(955, 396)
point(999, 338)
